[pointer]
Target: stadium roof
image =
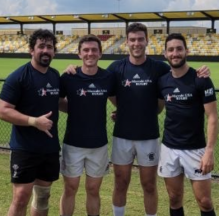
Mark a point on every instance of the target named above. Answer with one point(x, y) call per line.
point(112, 17)
point(168, 16)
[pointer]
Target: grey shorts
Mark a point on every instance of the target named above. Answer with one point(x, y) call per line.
point(75, 159)
point(174, 162)
point(146, 152)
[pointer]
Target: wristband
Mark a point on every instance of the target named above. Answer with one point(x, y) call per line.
point(31, 121)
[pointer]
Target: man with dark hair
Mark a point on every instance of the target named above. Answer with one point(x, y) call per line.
point(136, 130)
point(29, 100)
point(85, 141)
point(184, 151)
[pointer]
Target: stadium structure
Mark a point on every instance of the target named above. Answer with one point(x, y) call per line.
point(202, 41)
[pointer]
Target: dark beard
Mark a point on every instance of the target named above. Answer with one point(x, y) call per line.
point(180, 64)
point(45, 62)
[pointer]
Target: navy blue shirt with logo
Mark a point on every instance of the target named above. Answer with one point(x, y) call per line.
point(184, 101)
point(87, 99)
point(33, 93)
point(137, 98)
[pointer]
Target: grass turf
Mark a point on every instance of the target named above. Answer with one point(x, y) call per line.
point(134, 197)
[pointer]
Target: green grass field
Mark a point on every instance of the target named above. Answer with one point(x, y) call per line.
point(8, 65)
point(135, 198)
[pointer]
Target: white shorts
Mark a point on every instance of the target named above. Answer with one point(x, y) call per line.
point(174, 162)
point(74, 160)
point(125, 151)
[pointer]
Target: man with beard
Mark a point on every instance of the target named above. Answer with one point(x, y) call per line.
point(184, 151)
point(136, 130)
point(29, 100)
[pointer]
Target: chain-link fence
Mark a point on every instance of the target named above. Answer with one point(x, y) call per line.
point(5, 130)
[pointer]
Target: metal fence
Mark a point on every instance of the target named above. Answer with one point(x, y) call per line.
point(5, 130)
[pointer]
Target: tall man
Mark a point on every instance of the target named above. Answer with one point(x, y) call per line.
point(184, 151)
point(85, 141)
point(136, 129)
point(29, 100)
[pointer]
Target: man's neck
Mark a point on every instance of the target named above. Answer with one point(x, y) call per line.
point(137, 61)
point(89, 70)
point(179, 72)
point(39, 68)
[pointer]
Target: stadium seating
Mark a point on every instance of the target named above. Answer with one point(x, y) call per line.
point(11, 43)
point(198, 44)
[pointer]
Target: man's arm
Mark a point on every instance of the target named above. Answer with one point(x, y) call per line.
point(203, 71)
point(10, 114)
point(113, 100)
point(207, 163)
point(160, 105)
point(71, 69)
point(63, 105)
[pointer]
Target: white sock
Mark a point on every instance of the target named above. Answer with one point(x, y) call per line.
point(150, 214)
point(118, 211)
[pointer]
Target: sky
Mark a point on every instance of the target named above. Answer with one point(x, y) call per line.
point(43, 7)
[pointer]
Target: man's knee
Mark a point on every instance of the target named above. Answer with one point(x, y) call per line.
point(40, 197)
point(205, 203)
point(93, 190)
point(175, 200)
point(121, 183)
point(150, 187)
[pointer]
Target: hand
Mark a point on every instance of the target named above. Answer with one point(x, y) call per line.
point(43, 123)
point(71, 69)
point(113, 116)
point(207, 162)
point(203, 71)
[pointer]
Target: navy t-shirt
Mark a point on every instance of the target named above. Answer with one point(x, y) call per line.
point(33, 93)
point(87, 98)
point(184, 101)
point(137, 96)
